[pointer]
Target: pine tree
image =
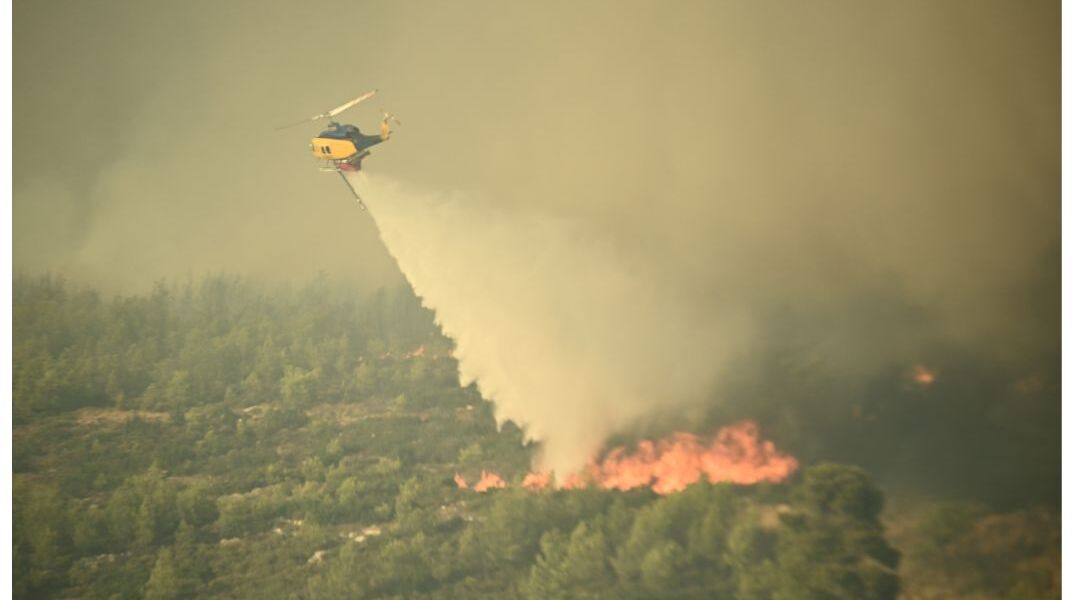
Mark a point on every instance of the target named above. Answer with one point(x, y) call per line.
point(164, 583)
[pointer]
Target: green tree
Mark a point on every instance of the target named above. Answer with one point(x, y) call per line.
point(89, 529)
point(650, 530)
point(165, 581)
point(661, 568)
point(547, 580)
point(157, 515)
point(197, 506)
point(751, 553)
point(299, 388)
point(365, 379)
point(831, 544)
point(178, 393)
point(575, 567)
point(839, 491)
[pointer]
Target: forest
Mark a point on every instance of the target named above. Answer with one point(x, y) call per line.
point(224, 438)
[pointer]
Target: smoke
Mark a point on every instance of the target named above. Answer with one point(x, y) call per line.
point(571, 338)
point(672, 218)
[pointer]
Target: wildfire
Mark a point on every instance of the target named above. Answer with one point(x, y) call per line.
point(489, 480)
point(537, 480)
point(574, 481)
point(735, 454)
point(923, 375)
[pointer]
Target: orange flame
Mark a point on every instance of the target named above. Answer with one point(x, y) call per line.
point(574, 481)
point(459, 481)
point(489, 480)
point(736, 454)
point(538, 480)
point(923, 375)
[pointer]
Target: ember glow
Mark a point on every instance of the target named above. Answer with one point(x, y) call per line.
point(489, 480)
point(923, 375)
point(736, 454)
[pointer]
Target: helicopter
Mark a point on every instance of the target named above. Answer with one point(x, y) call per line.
point(342, 147)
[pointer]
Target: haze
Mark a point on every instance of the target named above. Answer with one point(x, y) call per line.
point(878, 180)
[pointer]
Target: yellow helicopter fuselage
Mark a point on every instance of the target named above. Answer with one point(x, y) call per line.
point(344, 146)
point(332, 149)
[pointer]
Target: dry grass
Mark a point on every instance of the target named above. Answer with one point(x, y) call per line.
point(93, 417)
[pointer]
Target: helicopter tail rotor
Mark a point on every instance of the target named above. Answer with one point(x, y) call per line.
point(390, 117)
point(386, 124)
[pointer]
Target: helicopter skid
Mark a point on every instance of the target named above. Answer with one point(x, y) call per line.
point(345, 167)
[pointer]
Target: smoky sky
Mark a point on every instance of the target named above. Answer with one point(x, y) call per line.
point(876, 183)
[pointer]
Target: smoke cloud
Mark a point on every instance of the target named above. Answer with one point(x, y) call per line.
point(722, 211)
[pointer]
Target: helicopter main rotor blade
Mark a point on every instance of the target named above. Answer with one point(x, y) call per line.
point(342, 107)
point(335, 111)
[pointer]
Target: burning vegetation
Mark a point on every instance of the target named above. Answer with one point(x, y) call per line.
point(287, 476)
point(736, 454)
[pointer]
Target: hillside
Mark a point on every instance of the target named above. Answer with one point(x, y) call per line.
point(228, 440)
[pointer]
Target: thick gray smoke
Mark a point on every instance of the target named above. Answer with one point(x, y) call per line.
point(825, 192)
point(571, 338)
